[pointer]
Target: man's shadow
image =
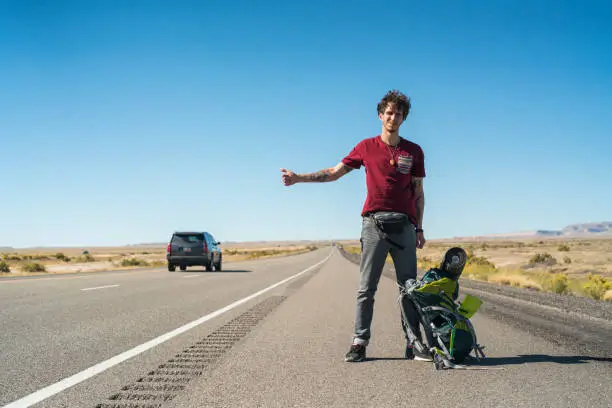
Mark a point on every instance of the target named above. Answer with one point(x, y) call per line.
point(535, 358)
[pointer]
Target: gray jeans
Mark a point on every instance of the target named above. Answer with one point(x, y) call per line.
point(374, 251)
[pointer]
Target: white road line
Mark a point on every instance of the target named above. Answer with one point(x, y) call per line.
point(60, 386)
point(192, 276)
point(101, 287)
point(37, 279)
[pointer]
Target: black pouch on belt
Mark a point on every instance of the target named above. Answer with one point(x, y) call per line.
point(390, 223)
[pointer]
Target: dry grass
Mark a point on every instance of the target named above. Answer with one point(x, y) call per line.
point(574, 257)
point(520, 281)
point(71, 260)
point(265, 252)
point(571, 266)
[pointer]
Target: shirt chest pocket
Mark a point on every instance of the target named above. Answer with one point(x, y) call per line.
point(404, 163)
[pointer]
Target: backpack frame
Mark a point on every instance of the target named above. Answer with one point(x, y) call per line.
point(450, 334)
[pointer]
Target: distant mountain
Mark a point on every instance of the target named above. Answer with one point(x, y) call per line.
point(548, 233)
point(592, 228)
point(586, 230)
point(7, 249)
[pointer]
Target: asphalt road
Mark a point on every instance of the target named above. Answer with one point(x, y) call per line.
point(153, 338)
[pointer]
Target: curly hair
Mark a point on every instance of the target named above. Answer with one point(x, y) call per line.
point(396, 97)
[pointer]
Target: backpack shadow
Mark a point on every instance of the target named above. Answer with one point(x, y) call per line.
point(537, 358)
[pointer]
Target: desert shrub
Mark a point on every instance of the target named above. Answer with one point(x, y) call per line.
point(542, 259)
point(60, 256)
point(36, 257)
point(557, 283)
point(85, 258)
point(480, 268)
point(134, 262)
point(4, 267)
point(564, 248)
point(480, 261)
point(470, 252)
point(608, 296)
point(596, 286)
point(567, 260)
point(259, 253)
point(33, 267)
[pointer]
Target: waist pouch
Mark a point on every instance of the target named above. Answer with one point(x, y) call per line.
point(390, 223)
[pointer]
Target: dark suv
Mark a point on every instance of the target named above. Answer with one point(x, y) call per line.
point(191, 249)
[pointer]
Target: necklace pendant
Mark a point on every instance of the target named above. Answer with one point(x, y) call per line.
point(392, 162)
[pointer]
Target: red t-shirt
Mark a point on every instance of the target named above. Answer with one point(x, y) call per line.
point(388, 186)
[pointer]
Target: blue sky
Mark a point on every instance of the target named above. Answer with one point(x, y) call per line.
point(122, 121)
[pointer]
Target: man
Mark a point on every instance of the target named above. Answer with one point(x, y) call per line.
point(392, 215)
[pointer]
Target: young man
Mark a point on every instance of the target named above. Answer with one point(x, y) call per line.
point(392, 214)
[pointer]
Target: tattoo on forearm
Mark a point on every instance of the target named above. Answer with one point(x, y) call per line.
point(320, 176)
point(330, 174)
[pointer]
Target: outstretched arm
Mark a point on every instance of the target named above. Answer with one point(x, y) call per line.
point(322, 176)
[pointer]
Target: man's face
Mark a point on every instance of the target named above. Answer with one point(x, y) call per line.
point(391, 118)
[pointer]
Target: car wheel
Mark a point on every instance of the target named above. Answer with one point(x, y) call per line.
point(183, 268)
point(171, 268)
point(209, 266)
point(218, 265)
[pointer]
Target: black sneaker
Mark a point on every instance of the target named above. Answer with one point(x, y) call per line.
point(356, 353)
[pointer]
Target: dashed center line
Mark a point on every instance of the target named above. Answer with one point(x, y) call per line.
point(192, 276)
point(100, 287)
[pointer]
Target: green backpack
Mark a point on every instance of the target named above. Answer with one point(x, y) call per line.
point(451, 333)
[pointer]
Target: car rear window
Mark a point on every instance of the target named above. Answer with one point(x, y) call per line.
point(191, 238)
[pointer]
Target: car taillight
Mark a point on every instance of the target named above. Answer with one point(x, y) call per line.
point(168, 248)
point(205, 247)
